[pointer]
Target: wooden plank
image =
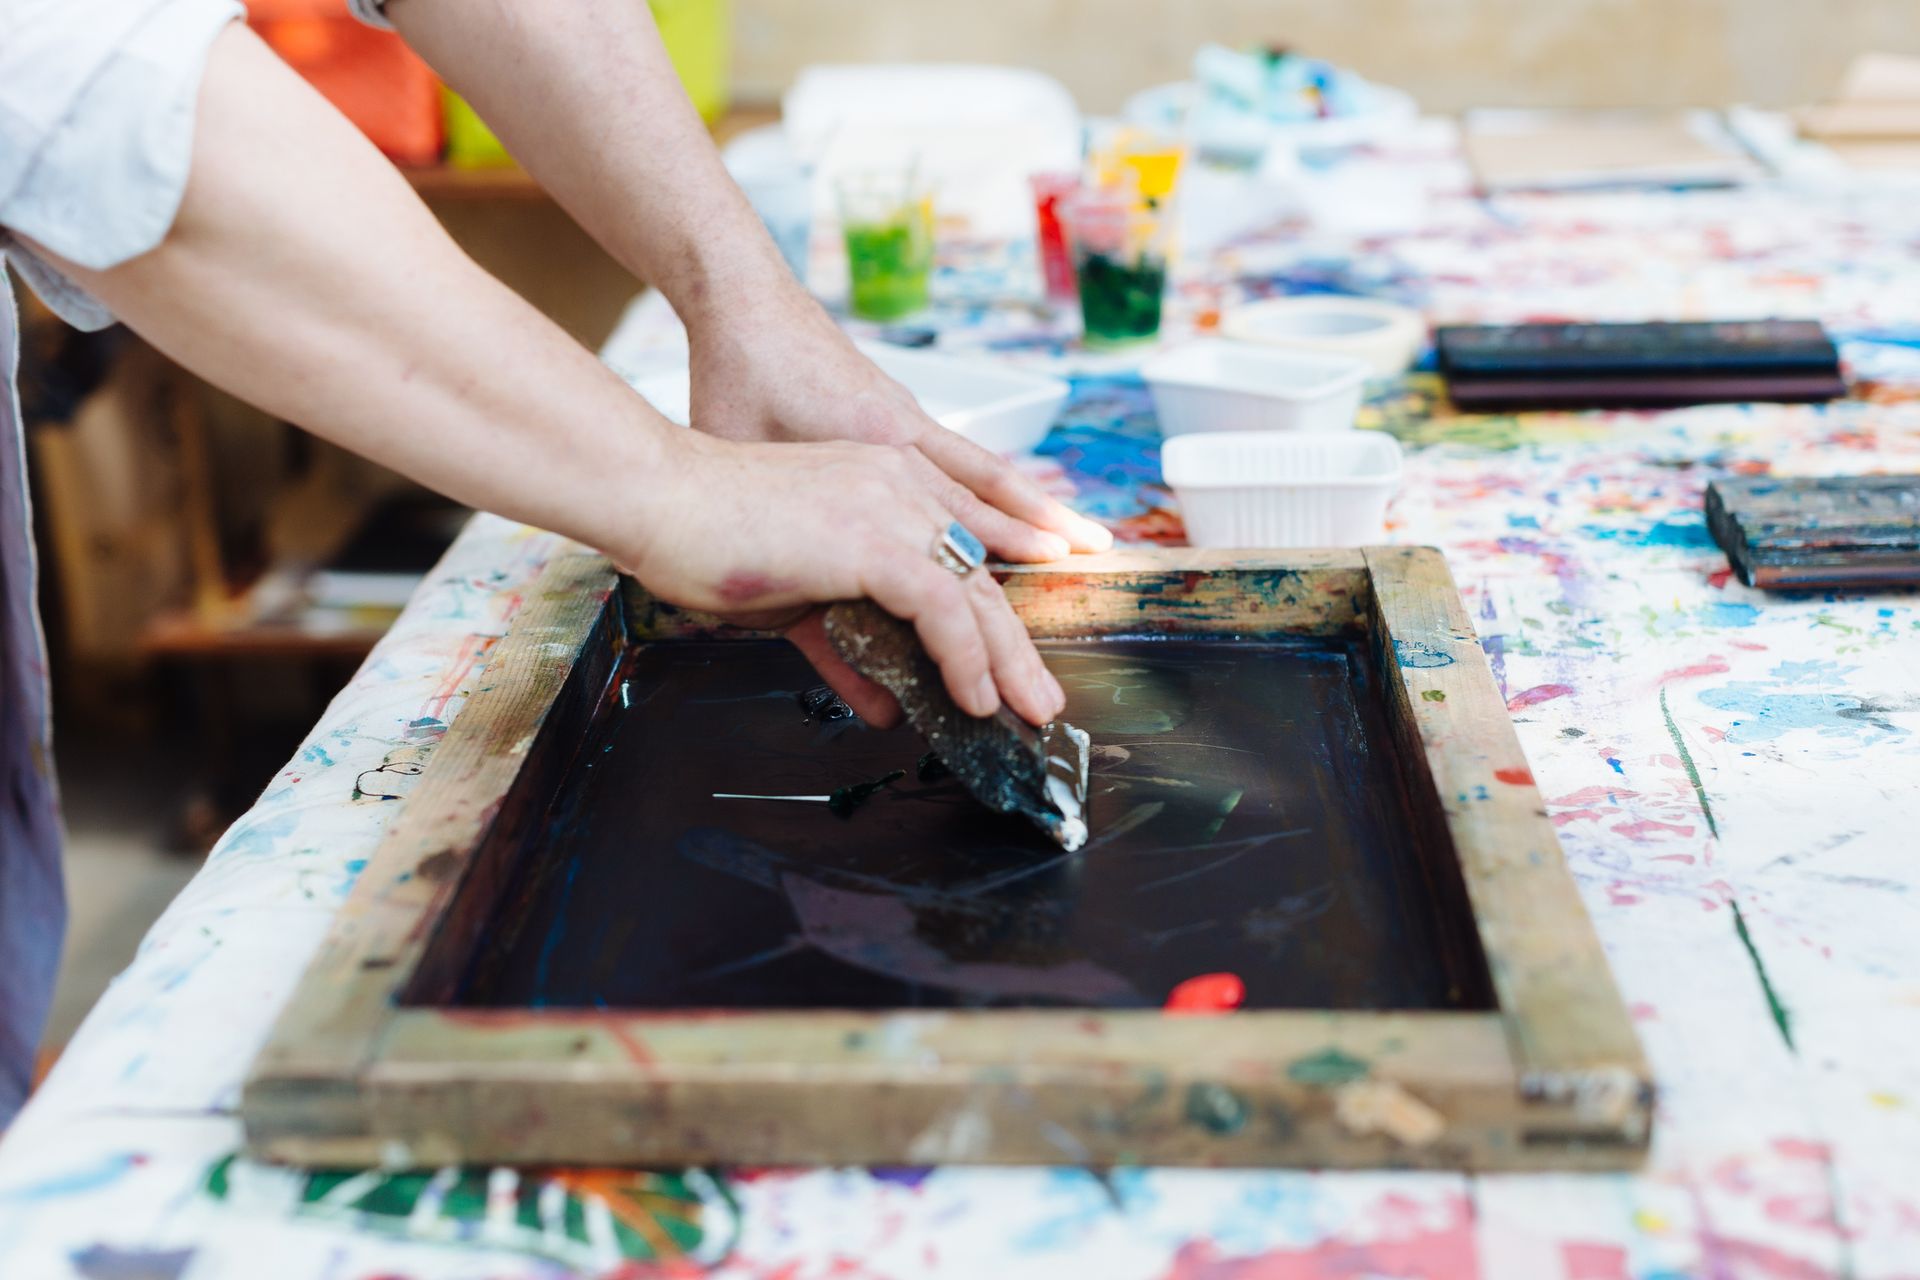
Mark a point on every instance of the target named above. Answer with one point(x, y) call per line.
point(331, 1025)
point(1573, 1042)
point(1191, 592)
point(1311, 1088)
point(1437, 1043)
point(1162, 591)
point(1812, 532)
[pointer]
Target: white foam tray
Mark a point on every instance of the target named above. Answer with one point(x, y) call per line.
point(1215, 385)
point(1385, 335)
point(1283, 488)
point(1003, 409)
point(996, 406)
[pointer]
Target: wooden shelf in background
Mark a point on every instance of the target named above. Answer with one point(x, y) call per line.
point(184, 633)
point(444, 182)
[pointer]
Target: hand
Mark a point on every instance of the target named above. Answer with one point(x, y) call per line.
point(781, 370)
point(762, 533)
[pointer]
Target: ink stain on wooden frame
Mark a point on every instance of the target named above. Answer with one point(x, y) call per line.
point(1249, 817)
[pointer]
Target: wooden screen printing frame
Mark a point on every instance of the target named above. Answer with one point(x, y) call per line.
point(1553, 1078)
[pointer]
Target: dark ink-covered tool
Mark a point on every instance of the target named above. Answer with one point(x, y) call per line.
point(824, 705)
point(1006, 763)
point(1835, 533)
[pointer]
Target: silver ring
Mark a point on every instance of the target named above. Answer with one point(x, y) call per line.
point(957, 551)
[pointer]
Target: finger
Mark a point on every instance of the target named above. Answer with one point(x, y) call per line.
point(1006, 537)
point(1024, 681)
point(996, 482)
point(869, 701)
point(914, 588)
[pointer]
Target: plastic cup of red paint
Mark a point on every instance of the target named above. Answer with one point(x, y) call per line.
point(1056, 260)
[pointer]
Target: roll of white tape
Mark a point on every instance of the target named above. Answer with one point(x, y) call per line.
point(1384, 334)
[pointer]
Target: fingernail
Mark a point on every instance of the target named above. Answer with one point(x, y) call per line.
point(1055, 547)
point(1046, 692)
point(986, 697)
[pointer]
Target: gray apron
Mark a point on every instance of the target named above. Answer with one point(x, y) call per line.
point(33, 908)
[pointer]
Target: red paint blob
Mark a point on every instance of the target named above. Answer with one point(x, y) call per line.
point(1538, 694)
point(745, 588)
point(1518, 777)
point(1207, 993)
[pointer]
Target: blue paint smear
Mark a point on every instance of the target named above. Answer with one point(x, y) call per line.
point(1713, 614)
point(109, 1262)
point(1769, 711)
point(1077, 1203)
point(1522, 522)
point(1689, 534)
point(1884, 337)
point(1495, 647)
point(1770, 715)
point(103, 1173)
point(1414, 653)
point(1107, 439)
point(256, 837)
point(1726, 613)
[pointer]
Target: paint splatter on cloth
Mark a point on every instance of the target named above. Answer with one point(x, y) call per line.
point(1730, 774)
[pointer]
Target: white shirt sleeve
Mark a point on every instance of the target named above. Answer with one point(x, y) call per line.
point(97, 102)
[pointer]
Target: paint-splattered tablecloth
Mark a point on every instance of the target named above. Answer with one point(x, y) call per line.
point(1735, 778)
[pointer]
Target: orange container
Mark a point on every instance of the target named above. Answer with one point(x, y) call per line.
point(371, 75)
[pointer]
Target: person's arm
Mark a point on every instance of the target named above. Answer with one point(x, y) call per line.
point(304, 275)
point(582, 92)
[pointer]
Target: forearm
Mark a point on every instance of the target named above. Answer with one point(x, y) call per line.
point(307, 278)
point(582, 92)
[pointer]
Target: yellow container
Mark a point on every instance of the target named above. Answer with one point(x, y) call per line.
point(470, 144)
point(1153, 159)
point(699, 38)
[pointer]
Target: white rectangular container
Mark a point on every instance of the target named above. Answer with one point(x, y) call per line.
point(1215, 385)
point(1283, 488)
point(996, 406)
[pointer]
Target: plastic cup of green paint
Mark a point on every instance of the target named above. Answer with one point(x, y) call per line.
point(887, 217)
point(1119, 243)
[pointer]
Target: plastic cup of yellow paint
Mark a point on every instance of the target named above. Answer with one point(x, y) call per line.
point(1148, 159)
point(887, 218)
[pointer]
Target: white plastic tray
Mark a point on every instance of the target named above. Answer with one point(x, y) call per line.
point(996, 406)
point(999, 408)
point(1383, 334)
point(1283, 488)
point(1215, 385)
